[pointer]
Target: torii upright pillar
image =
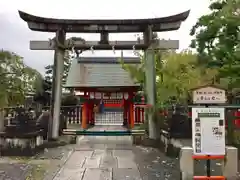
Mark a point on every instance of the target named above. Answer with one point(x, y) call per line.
point(58, 66)
point(150, 75)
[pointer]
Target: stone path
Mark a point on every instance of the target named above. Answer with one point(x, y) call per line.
point(98, 158)
point(115, 158)
point(101, 158)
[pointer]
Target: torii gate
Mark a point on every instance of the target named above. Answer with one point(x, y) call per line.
point(59, 44)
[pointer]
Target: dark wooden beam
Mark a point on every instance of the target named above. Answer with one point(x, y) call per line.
point(43, 24)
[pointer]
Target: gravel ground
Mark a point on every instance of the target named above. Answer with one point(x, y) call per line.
point(154, 165)
point(43, 166)
point(14, 171)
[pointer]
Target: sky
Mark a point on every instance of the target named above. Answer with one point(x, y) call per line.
point(15, 35)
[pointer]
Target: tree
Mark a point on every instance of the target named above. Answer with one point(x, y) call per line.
point(16, 79)
point(67, 63)
point(43, 95)
point(217, 39)
point(176, 74)
point(180, 74)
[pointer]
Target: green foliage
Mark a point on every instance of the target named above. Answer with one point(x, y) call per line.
point(67, 63)
point(217, 39)
point(16, 79)
point(176, 74)
point(180, 74)
point(136, 71)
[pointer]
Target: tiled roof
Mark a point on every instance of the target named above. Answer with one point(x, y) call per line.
point(85, 72)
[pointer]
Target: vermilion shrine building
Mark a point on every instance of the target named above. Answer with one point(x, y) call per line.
point(103, 78)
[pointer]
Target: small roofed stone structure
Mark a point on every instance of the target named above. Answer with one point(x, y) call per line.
point(102, 79)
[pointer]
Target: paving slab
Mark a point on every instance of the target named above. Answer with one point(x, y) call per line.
point(126, 163)
point(98, 153)
point(108, 162)
point(123, 154)
point(92, 162)
point(78, 158)
point(67, 173)
point(98, 174)
point(126, 174)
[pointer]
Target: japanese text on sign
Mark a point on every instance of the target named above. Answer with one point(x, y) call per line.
point(209, 95)
point(208, 131)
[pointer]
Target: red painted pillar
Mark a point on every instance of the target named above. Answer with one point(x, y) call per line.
point(143, 116)
point(126, 104)
point(131, 110)
point(89, 112)
point(85, 112)
point(84, 116)
point(91, 115)
point(142, 109)
point(138, 119)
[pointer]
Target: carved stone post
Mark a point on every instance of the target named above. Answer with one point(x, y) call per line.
point(57, 85)
point(150, 75)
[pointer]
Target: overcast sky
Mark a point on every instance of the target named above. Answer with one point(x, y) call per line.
point(15, 35)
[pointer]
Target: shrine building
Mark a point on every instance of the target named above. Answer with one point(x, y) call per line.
point(102, 79)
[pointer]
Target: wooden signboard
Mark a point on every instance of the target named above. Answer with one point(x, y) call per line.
point(209, 95)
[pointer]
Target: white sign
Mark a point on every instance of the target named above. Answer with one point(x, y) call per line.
point(126, 96)
point(208, 131)
point(91, 95)
point(113, 96)
point(98, 95)
point(105, 96)
point(209, 95)
point(119, 95)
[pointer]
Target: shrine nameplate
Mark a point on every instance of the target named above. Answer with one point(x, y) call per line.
point(209, 95)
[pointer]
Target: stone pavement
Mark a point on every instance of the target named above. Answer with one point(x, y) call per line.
point(98, 158)
point(101, 158)
point(113, 158)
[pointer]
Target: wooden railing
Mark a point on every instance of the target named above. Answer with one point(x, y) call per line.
point(73, 114)
point(139, 114)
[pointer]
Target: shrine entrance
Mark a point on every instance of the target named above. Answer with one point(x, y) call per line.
point(94, 78)
point(113, 111)
point(110, 116)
